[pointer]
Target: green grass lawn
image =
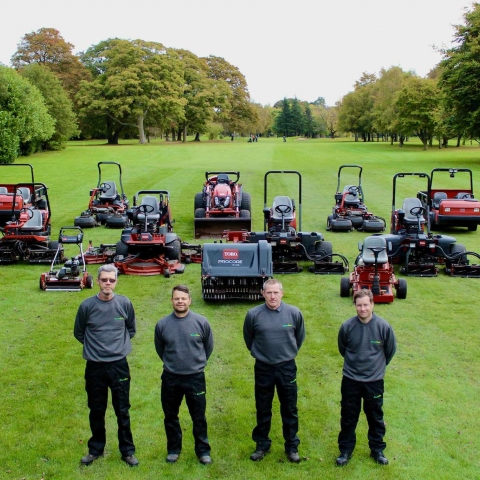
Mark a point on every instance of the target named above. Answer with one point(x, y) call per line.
point(432, 388)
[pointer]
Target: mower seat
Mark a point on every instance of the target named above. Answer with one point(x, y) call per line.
point(437, 198)
point(223, 178)
point(463, 195)
point(24, 192)
point(35, 223)
point(375, 242)
point(111, 193)
point(3, 190)
point(277, 217)
point(408, 204)
point(153, 216)
point(351, 200)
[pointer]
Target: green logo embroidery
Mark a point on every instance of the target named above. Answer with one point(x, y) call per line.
point(200, 393)
point(378, 342)
point(287, 325)
point(123, 379)
point(119, 318)
point(376, 396)
point(194, 334)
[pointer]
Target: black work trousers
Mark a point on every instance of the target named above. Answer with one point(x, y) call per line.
point(99, 377)
point(352, 394)
point(283, 377)
point(193, 388)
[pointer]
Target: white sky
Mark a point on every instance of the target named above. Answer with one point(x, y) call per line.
point(285, 48)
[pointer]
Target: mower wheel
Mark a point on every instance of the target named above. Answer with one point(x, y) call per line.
point(244, 214)
point(357, 220)
point(200, 213)
point(43, 284)
point(340, 225)
point(85, 222)
point(322, 249)
point(456, 250)
point(173, 250)
point(373, 225)
point(89, 281)
point(402, 289)
point(121, 249)
point(472, 228)
point(199, 203)
point(115, 221)
point(345, 287)
point(246, 203)
point(166, 273)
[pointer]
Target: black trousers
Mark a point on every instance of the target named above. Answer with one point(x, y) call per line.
point(352, 394)
point(99, 377)
point(193, 388)
point(283, 377)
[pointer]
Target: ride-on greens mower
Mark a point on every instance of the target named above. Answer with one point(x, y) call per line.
point(73, 275)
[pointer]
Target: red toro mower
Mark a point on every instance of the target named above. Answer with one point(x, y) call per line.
point(374, 272)
point(73, 275)
point(26, 236)
point(350, 211)
point(107, 205)
point(221, 206)
point(451, 207)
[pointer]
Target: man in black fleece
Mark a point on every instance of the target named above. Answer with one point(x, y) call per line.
point(184, 343)
point(274, 333)
point(367, 343)
point(104, 325)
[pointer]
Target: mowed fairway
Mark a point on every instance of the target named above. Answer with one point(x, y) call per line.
point(432, 388)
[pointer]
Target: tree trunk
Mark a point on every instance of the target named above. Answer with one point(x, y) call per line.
point(112, 135)
point(141, 131)
point(459, 138)
point(185, 132)
point(197, 137)
point(179, 135)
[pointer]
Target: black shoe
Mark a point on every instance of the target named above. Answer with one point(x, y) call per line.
point(293, 457)
point(343, 459)
point(205, 459)
point(172, 457)
point(379, 457)
point(89, 459)
point(258, 455)
point(130, 460)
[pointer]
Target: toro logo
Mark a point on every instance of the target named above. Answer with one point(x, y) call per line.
point(230, 254)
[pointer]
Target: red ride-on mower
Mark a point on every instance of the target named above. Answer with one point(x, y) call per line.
point(27, 235)
point(73, 275)
point(451, 207)
point(149, 247)
point(222, 205)
point(107, 205)
point(350, 211)
point(374, 272)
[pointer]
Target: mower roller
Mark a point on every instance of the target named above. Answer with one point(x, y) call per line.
point(350, 211)
point(222, 205)
point(73, 275)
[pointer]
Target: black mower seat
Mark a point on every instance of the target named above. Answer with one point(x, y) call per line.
point(111, 193)
point(24, 192)
point(408, 204)
point(437, 198)
point(223, 178)
point(464, 195)
point(282, 200)
point(367, 254)
point(153, 216)
point(351, 200)
point(34, 223)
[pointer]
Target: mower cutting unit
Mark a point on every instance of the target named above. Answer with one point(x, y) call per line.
point(235, 272)
point(290, 246)
point(107, 206)
point(374, 272)
point(350, 211)
point(222, 205)
point(451, 207)
point(26, 236)
point(417, 251)
point(73, 276)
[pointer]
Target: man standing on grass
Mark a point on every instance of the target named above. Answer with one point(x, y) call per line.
point(367, 343)
point(104, 325)
point(274, 333)
point(184, 343)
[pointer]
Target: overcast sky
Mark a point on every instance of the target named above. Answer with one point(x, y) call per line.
point(302, 48)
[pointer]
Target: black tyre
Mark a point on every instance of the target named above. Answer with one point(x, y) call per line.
point(456, 250)
point(373, 225)
point(246, 203)
point(402, 289)
point(200, 213)
point(121, 249)
point(357, 220)
point(115, 221)
point(89, 281)
point(472, 228)
point(329, 222)
point(53, 245)
point(340, 225)
point(324, 249)
point(85, 222)
point(198, 203)
point(173, 250)
point(344, 287)
point(244, 214)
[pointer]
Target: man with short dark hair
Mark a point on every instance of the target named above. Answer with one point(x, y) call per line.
point(273, 333)
point(104, 324)
point(184, 343)
point(367, 343)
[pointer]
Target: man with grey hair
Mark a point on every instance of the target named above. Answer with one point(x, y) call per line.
point(273, 333)
point(104, 324)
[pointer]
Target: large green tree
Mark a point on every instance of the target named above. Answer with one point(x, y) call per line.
point(24, 118)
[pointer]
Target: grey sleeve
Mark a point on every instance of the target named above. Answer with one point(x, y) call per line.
point(300, 330)
point(248, 331)
point(79, 327)
point(159, 345)
point(390, 345)
point(208, 341)
point(342, 341)
point(130, 323)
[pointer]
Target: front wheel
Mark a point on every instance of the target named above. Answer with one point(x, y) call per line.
point(402, 289)
point(344, 287)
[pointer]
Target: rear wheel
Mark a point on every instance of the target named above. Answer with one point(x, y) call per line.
point(472, 228)
point(456, 251)
point(89, 281)
point(402, 289)
point(246, 202)
point(244, 214)
point(200, 213)
point(344, 287)
point(324, 249)
point(121, 249)
point(198, 201)
point(173, 250)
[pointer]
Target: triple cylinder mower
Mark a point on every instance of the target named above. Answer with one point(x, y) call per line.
point(107, 205)
point(222, 205)
point(290, 246)
point(411, 245)
point(235, 271)
point(350, 211)
point(451, 207)
point(27, 235)
point(73, 275)
point(374, 272)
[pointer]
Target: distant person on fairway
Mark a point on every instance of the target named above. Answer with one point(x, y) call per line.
point(274, 333)
point(184, 343)
point(104, 324)
point(367, 344)
point(284, 138)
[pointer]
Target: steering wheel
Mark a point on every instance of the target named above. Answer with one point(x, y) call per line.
point(145, 208)
point(353, 190)
point(105, 187)
point(28, 211)
point(417, 211)
point(283, 209)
